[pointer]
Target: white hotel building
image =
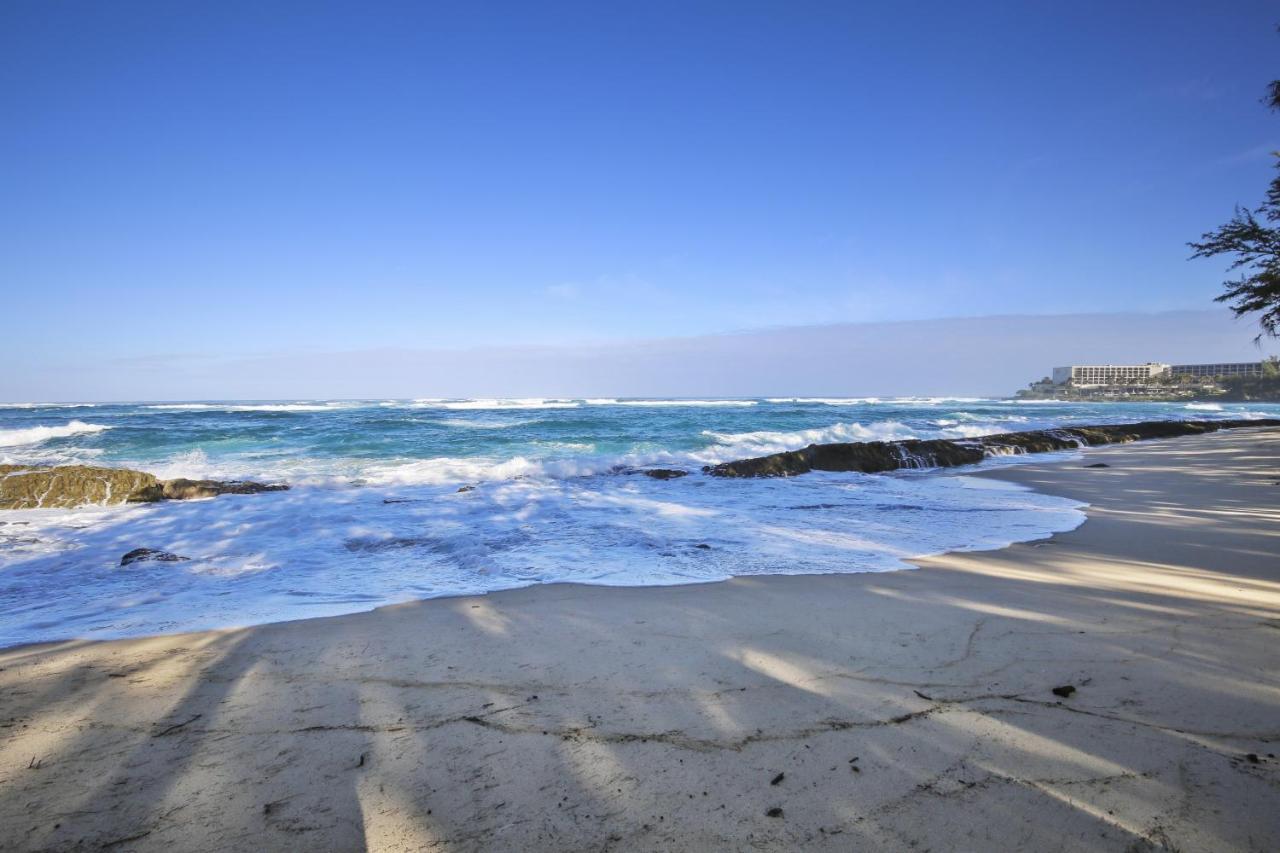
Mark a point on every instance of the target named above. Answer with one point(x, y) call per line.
point(1109, 374)
point(1245, 368)
point(1088, 375)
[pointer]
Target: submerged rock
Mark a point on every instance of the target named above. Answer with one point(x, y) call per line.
point(872, 457)
point(370, 545)
point(27, 487)
point(665, 473)
point(139, 555)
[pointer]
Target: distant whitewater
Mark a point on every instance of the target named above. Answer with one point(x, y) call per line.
point(403, 499)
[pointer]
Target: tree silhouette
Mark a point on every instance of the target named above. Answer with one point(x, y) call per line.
point(1253, 237)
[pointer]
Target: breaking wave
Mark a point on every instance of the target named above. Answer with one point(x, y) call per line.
point(35, 435)
point(764, 442)
point(251, 407)
point(871, 401)
point(653, 404)
point(377, 511)
point(826, 401)
point(495, 404)
point(49, 405)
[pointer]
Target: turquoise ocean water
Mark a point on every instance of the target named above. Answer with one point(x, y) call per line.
point(375, 514)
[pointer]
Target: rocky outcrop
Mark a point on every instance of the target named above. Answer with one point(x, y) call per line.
point(665, 473)
point(872, 457)
point(142, 555)
point(23, 487)
point(26, 487)
point(182, 490)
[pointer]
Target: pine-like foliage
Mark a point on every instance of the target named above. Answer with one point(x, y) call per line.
point(1253, 238)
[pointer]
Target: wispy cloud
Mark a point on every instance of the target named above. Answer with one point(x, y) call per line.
point(1198, 89)
point(1258, 153)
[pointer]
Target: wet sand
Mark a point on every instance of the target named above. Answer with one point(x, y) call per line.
point(903, 710)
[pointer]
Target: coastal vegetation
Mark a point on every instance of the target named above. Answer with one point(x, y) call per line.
point(1252, 238)
point(1251, 389)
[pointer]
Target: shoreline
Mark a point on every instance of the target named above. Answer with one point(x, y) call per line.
point(581, 715)
point(997, 466)
point(65, 487)
point(1057, 457)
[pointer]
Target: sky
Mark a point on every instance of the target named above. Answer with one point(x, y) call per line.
point(290, 186)
point(976, 356)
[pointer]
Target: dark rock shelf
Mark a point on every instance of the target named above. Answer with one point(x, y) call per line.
point(873, 457)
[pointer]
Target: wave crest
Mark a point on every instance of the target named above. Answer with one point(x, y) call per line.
point(35, 435)
point(764, 442)
point(654, 404)
point(250, 407)
point(495, 404)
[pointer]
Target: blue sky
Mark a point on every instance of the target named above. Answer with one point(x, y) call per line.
point(982, 356)
point(247, 178)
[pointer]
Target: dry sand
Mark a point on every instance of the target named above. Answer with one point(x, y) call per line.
point(906, 710)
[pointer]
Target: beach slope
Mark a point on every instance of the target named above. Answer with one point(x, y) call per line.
point(903, 710)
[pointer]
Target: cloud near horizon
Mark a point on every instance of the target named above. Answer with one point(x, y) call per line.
point(980, 356)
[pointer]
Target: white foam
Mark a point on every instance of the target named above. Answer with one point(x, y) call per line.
point(553, 501)
point(535, 458)
point(453, 470)
point(653, 404)
point(764, 442)
point(191, 407)
point(48, 405)
point(35, 435)
point(252, 407)
point(496, 404)
point(468, 423)
point(934, 401)
point(825, 401)
point(313, 552)
point(288, 407)
point(1204, 407)
point(193, 464)
point(569, 459)
point(571, 446)
point(967, 431)
point(872, 401)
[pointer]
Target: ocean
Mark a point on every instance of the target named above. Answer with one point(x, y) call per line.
point(394, 500)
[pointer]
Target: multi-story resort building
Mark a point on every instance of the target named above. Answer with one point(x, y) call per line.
point(1154, 380)
point(1093, 375)
point(1109, 374)
point(1240, 368)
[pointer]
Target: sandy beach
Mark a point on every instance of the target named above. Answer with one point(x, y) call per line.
point(888, 711)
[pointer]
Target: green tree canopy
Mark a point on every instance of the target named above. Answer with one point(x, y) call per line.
point(1253, 238)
